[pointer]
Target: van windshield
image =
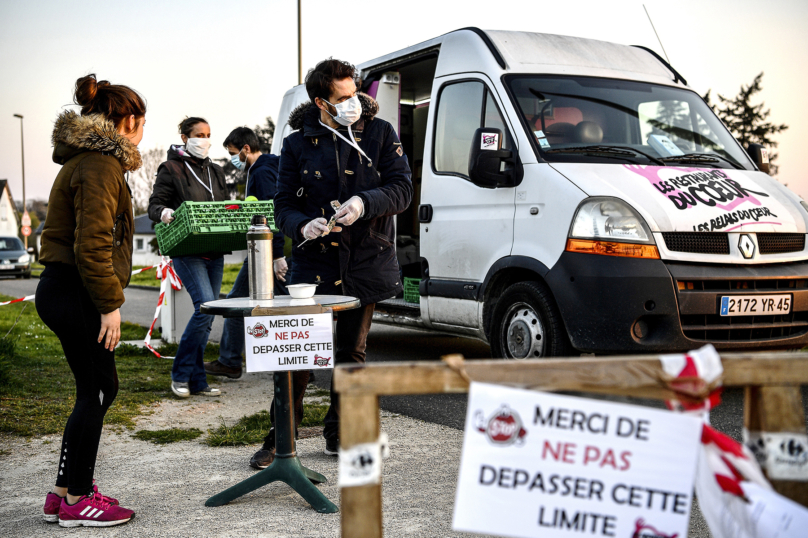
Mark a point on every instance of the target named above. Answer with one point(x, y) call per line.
point(586, 119)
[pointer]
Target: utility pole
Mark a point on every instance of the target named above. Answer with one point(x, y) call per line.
point(299, 45)
point(22, 150)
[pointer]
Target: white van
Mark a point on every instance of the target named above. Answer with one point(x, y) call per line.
point(576, 195)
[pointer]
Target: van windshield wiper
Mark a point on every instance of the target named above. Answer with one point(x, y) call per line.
point(700, 158)
point(617, 151)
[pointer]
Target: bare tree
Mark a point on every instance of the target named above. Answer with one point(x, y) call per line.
point(142, 181)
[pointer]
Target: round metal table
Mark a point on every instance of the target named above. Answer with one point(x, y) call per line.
point(242, 307)
point(286, 467)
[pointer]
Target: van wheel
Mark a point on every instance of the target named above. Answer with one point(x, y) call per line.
point(527, 324)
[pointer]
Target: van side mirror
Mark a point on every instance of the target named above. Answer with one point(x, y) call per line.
point(487, 157)
point(760, 156)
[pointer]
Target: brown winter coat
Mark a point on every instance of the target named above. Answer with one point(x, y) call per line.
point(90, 222)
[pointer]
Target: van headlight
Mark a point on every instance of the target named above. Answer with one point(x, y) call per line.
point(25, 258)
point(609, 219)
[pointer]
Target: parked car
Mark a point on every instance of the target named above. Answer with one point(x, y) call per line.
point(573, 195)
point(14, 260)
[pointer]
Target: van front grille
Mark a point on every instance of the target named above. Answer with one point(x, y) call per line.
point(772, 284)
point(716, 328)
point(697, 242)
point(780, 243)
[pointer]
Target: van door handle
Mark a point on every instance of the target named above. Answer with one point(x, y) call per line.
point(425, 213)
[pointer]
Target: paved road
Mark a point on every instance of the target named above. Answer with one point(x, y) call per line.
point(386, 343)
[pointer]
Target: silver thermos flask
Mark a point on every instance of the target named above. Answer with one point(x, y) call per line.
point(259, 256)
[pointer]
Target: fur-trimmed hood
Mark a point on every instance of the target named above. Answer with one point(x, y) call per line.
point(307, 114)
point(73, 133)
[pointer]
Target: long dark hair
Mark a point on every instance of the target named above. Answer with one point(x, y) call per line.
point(115, 102)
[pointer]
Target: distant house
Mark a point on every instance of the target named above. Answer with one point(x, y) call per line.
point(9, 223)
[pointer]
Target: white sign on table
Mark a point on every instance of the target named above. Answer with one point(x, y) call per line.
point(539, 464)
point(293, 342)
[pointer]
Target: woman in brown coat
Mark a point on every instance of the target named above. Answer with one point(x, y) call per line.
point(87, 253)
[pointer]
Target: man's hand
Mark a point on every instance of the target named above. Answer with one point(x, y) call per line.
point(350, 211)
point(111, 327)
point(281, 267)
point(167, 215)
point(317, 228)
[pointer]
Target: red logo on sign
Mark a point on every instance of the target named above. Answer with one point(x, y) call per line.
point(643, 530)
point(503, 427)
point(321, 361)
point(259, 331)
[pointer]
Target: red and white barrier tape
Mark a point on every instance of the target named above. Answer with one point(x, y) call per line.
point(138, 271)
point(166, 274)
point(21, 299)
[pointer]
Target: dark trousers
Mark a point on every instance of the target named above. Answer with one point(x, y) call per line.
point(352, 331)
point(65, 307)
point(351, 337)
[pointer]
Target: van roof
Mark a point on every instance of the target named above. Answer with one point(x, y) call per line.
point(529, 52)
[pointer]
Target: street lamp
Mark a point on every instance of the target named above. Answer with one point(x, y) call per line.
point(22, 149)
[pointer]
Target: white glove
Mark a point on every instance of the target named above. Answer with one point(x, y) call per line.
point(281, 267)
point(315, 228)
point(167, 215)
point(350, 211)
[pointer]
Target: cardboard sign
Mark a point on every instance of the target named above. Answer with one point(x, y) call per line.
point(282, 343)
point(538, 464)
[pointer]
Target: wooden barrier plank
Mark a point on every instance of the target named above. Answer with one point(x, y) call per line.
point(776, 409)
point(628, 376)
point(361, 509)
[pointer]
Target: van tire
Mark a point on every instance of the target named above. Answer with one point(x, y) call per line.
point(526, 312)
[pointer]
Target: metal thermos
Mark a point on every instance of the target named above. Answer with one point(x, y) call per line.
point(259, 256)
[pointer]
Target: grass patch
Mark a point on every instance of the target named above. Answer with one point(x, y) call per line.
point(171, 435)
point(37, 389)
point(251, 429)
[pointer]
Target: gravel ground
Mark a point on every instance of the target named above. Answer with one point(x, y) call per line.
point(167, 485)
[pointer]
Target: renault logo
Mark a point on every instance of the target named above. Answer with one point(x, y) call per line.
point(746, 246)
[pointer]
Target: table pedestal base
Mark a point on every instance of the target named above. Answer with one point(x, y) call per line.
point(286, 467)
point(289, 471)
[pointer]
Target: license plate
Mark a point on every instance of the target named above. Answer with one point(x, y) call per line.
point(4, 267)
point(755, 305)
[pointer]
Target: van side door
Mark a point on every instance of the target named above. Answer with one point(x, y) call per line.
point(471, 226)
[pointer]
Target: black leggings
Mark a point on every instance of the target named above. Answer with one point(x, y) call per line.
point(66, 308)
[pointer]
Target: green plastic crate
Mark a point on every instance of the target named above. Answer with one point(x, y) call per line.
point(411, 293)
point(202, 227)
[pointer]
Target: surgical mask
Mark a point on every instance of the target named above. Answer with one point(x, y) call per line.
point(348, 111)
point(238, 163)
point(198, 147)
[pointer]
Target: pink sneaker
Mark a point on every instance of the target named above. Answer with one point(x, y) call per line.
point(52, 504)
point(93, 511)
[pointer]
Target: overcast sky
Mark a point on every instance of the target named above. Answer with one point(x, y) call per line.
point(231, 62)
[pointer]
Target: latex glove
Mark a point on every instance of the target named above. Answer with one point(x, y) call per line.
point(315, 228)
point(350, 211)
point(111, 328)
point(281, 267)
point(167, 215)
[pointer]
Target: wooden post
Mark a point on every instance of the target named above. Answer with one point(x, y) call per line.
point(777, 409)
point(361, 506)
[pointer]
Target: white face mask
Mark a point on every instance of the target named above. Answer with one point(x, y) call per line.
point(198, 147)
point(348, 111)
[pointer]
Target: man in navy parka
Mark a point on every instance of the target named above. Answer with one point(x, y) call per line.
point(341, 151)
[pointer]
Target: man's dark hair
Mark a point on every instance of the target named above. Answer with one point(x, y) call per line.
point(241, 136)
point(320, 80)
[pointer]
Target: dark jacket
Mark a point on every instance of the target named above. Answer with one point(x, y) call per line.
point(317, 167)
point(263, 184)
point(176, 184)
point(90, 223)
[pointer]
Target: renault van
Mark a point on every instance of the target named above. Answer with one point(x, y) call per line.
point(573, 195)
